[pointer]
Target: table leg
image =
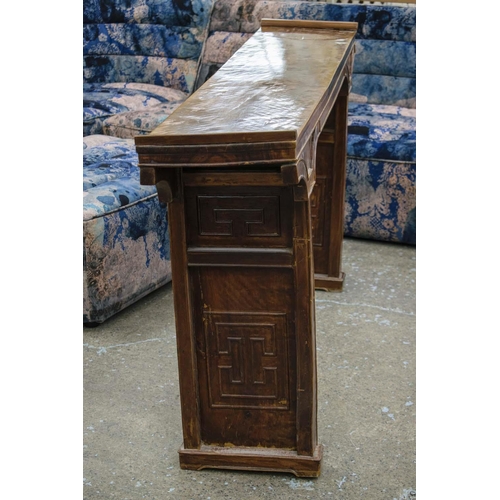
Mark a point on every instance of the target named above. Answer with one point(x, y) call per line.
point(244, 304)
point(328, 197)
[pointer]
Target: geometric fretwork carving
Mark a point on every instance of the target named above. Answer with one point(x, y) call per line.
point(243, 216)
point(247, 360)
point(317, 211)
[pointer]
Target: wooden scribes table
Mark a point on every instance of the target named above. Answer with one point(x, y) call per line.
point(238, 163)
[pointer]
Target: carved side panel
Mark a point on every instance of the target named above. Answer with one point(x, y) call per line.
point(247, 360)
point(243, 217)
point(238, 216)
point(246, 355)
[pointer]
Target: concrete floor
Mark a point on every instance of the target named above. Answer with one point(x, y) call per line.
point(366, 395)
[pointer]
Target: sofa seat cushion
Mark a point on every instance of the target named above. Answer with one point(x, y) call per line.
point(103, 100)
point(128, 125)
point(126, 245)
point(110, 176)
point(377, 131)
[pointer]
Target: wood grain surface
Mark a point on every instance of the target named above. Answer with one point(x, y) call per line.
point(252, 167)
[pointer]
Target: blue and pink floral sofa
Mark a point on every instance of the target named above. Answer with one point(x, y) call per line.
point(140, 61)
point(381, 165)
point(143, 58)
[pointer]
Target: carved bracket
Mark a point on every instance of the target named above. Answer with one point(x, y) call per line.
point(302, 173)
point(293, 173)
point(167, 180)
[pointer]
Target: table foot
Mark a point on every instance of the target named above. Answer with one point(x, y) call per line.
point(329, 283)
point(252, 459)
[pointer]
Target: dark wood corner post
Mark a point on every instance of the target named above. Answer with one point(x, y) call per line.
point(307, 435)
point(329, 194)
point(251, 191)
point(170, 191)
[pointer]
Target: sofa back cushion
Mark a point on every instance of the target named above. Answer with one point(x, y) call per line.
point(384, 65)
point(144, 41)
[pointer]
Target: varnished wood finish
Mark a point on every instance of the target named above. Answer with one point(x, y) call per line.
point(267, 99)
point(186, 352)
point(303, 24)
point(328, 197)
point(305, 329)
point(251, 166)
point(252, 460)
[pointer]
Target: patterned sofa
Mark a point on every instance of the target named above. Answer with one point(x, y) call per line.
point(142, 58)
point(381, 166)
point(140, 61)
point(126, 251)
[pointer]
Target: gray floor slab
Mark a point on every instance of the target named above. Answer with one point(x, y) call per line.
point(366, 395)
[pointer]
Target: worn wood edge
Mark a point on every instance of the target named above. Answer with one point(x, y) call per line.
point(292, 141)
point(252, 459)
point(329, 283)
point(267, 23)
point(216, 155)
point(326, 103)
point(173, 149)
point(290, 174)
point(184, 323)
point(233, 178)
point(305, 330)
point(294, 173)
point(238, 163)
point(159, 148)
point(155, 138)
point(240, 257)
point(240, 250)
point(339, 177)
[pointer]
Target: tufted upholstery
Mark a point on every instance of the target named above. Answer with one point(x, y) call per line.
point(381, 168)
point(142, 58)
point(157, 43)
point(126, 249)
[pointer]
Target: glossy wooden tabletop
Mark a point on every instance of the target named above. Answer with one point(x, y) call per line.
point(268, 90)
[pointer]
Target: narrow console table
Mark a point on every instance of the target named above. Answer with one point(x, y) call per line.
point(252, 166)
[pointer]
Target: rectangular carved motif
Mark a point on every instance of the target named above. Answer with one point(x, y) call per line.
point(247, 360)
point(248, 217)
point(239, 216)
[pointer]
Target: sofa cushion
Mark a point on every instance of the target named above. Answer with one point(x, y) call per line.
point(380, 200)
point(385, 57)
point(141, 39)
point(126, 244)
point(381, 22)
point(193, 13)
point(146, 41)
point(384, 89)
point(385, 61)
point(101, 101)
point(128, 125)
point(110, 176)
point(381, 132)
